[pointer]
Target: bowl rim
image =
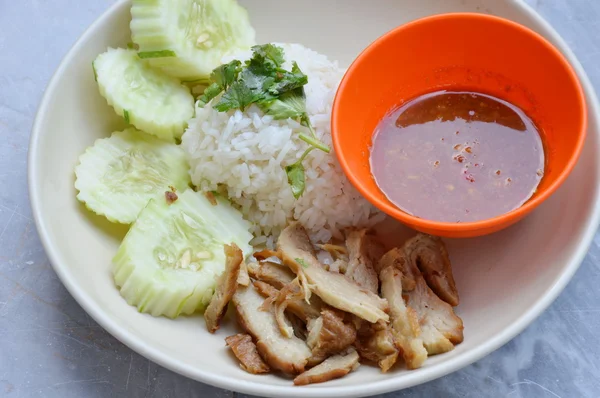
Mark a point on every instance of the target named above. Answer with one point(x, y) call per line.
point(472, 227)
point(256, 387)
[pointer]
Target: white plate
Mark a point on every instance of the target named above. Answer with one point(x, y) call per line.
point(505, 280)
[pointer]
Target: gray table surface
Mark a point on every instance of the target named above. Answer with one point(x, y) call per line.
point(49, 346)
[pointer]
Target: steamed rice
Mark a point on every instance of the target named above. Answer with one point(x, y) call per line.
point(244, 153)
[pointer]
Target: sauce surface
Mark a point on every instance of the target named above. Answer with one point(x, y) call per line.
point(457, 157)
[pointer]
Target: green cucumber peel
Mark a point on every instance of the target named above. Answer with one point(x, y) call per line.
point(156, 54)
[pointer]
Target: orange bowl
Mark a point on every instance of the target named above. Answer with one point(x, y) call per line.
point(467, 52)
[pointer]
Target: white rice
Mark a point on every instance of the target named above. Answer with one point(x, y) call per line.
point(245, 152)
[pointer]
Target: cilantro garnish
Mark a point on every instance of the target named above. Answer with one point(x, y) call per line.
point(210, 92)
point(238, 96)
point(271, 53)
point(222, 78)
point(301, 262)
point(226, 74)
point(287, 81)
point(263, 81)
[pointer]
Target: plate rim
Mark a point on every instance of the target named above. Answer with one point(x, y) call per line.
point(255, 387)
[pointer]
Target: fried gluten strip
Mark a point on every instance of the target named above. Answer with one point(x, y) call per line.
point(245, 351)
point(333, 367)
point(274, 274)
point(405, 324)
point(290, 293)
point(334, 289)
point(303, 310)
point(363, 251)
point(226, 287)
point(439, 327)
point(329, 334)
point(243, 277)
point(328, 330)
point(430, 256)
point(288, 355)
point(375, 343)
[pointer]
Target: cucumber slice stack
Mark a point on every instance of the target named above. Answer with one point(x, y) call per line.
point(172, 255)
point(117, 176)
point(170, 259)
point(188, 38)
point(150, 100)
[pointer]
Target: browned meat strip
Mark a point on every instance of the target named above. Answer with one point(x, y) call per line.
point(429, 254)
point(299, 326)
point(226, 286)
point(360, 268)
point(272, 273)
point(404, 322)
point(289, 293)
point(334, 289)
point(395, 258)
point(243, 277)
point(265, 289)
point(265, 254)
point(337, 252)
point(332, 368)
point(329, 334)
point(375, 343)
point(440, 328)
point(300, 308)
point(245, 351)
point(288, 355)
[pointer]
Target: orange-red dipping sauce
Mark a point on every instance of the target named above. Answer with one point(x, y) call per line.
point(457, 157)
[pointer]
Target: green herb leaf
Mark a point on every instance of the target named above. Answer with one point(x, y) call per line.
point(271, 53)
point(259, 67)
point(295, 175)
point(288, 81)
point(238, 96)
point(209, 93)
point(258, 85)
point(266, 60)
point(222, 77)
point(289, 105)
point(301, 262)
point(226, 74)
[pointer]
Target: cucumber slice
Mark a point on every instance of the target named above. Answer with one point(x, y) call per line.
point(188, 38)
point(150, 100)
point(172, 255)
point(117, 176)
